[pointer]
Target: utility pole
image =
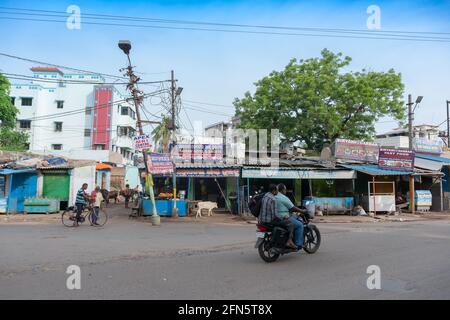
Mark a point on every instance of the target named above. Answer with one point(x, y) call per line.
point(138, 98)
point(448, 124)
point(173, 125)
point(410, 121)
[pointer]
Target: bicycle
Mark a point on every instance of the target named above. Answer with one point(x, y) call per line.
point(68, 217)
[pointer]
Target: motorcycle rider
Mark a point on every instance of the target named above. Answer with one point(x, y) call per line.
point(284, 209)
point(268, 214)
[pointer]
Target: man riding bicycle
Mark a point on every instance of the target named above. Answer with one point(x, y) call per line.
point(81, 201)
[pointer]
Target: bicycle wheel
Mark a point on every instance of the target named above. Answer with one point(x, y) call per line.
point(101, 218)
point(68, 218)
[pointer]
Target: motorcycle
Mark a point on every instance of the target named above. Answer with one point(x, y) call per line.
point(271, 241)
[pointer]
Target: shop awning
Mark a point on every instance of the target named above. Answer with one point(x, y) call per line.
point(373, 170)
point(430, 162)
point(296, 173)
point(14, 171)
point(102, 166)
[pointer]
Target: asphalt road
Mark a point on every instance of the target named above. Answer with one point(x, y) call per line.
point(132, 260)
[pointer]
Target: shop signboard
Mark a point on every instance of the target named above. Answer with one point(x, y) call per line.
point(396, 159)
point(208, 172)
point(356, 150)
point(160, 163)
point(142, 142)
point(198, 153)
point(274, 173)
point(423, 145)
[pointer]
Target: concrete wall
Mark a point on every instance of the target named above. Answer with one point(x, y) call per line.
point(78, 177)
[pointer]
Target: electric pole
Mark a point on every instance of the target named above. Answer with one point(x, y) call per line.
point(173, 125)
point(410, 121)
point(138, 98)
point(448, 124)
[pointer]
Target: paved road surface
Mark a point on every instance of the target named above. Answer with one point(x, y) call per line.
point(133, 260)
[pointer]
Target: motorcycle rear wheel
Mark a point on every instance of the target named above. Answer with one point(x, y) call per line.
point(312, 239)
point(265, 252)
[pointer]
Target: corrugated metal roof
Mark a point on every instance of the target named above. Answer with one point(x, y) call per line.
point(433, 158)
point(373, 170)
point(14, 171)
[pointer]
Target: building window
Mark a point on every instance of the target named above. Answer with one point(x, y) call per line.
point(27, 146)
point(87, 132)
point(58, 126)
point(25, 124)
point(124, 111)
point(59, 104)
point(99, 147)
point(56, 146)
point(13, 100)
point(27, 101)
point(88, 110)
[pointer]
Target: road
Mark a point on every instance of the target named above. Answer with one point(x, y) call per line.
point(130, 259)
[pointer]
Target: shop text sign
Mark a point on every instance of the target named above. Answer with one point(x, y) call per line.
point(142, 142)
point(208, 172)
point(356, 150)
point(395, 159)
point(198, 153)
point(159, 163)
point(424, 145)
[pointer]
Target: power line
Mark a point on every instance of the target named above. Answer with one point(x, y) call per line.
point(234, 25)
point(59, 66)
point(80, 110)
point(374, 37)
point(37, 79)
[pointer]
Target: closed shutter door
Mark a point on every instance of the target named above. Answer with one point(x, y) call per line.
point(56, 186)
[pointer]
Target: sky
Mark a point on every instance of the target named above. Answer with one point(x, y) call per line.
point(217, 67)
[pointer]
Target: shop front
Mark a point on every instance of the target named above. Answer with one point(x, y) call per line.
point(218, 184)
point(329, 189)
point(15, 187)
point(56, 185)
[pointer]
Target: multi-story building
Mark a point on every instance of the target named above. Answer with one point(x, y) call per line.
point(77, 115)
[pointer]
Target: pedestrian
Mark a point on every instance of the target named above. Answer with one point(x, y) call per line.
point(127, 195)
point(97, 205)
point(81, 201)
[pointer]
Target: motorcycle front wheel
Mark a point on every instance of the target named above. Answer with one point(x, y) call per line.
point(266, 253)
point(312, 239)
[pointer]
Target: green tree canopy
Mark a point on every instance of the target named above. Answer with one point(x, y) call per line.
point(314, 101)
point(10, 138)
point(161, 134)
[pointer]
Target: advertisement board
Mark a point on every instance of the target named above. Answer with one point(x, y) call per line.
point(423, 145)
point(198, 153)
point(159, 163)
point(142, 142)
point(396, 159)
point(208, 172)
point(356, 150)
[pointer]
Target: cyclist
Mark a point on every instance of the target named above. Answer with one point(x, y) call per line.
point(81, 200)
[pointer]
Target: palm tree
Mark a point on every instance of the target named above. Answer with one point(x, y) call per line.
point(161, 134)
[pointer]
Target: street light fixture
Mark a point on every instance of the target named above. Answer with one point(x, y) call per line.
point(125, 46)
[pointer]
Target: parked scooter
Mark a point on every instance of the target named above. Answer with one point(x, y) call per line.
point(271, 241)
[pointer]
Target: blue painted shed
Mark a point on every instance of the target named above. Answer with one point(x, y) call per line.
point(22, 184)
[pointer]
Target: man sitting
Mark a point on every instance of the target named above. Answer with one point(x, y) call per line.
point(284, 208)
point(268, 214)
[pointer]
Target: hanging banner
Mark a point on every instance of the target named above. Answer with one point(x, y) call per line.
point(423, 145)
point(394, 159)
point(159, 163)
point(142, 142)
point(356, 150)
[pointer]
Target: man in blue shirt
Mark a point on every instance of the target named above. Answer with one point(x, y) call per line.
point(284, 209)
point(81, 200)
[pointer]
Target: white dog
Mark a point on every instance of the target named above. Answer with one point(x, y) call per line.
point(209, 205)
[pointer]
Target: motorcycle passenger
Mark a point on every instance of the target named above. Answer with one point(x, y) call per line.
point(284, 209)
point(268, 214)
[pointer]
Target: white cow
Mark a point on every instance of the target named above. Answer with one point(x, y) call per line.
point(209, 205)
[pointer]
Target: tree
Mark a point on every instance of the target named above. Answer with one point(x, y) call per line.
point(161, 134)
point(313, 101)
point(10, 138)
